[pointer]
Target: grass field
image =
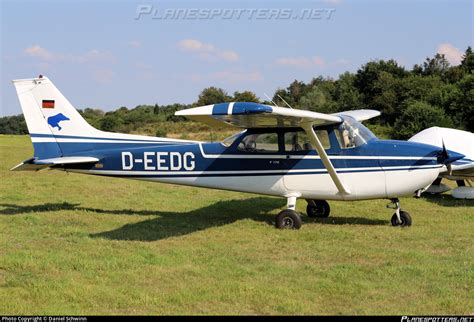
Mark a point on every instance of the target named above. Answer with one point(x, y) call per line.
point(75, 244)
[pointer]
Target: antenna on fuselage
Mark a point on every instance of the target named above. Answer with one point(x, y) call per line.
point(284, 101)
point(269, 99)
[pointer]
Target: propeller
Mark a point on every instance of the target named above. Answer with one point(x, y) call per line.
point(444, 158)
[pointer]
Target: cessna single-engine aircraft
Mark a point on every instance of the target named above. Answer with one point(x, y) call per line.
point(281, 152)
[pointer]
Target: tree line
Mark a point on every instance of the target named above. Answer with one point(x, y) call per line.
point(432, 93)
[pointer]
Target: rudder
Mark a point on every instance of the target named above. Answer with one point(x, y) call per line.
point(49, 115)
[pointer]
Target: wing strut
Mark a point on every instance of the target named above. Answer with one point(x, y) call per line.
point(313, 138)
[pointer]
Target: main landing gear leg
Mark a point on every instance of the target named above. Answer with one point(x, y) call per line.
point(289, 218)
point(400, 218)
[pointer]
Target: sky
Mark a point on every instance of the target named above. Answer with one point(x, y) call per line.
point(107, 54)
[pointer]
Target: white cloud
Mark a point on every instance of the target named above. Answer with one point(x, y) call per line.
point(91, 56)
point(207, 51)
point(39, 52)
point(452, 54)
point(229, 55)
point(194, 45)
point(301, 62)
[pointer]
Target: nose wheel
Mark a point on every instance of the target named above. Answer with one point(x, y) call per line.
point(405, 219)
point(400, 218)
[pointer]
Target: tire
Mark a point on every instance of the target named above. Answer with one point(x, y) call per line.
point(288, 219)
point(405, 218)
point(321, 209)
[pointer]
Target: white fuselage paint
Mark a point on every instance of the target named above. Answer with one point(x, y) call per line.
point(363, 185)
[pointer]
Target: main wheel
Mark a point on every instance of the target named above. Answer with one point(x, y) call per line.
point(288, 219)
point(404, 217)
point(320, 209)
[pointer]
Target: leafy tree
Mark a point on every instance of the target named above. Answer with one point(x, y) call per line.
point(387, 98)
point(417, 116)
point(319, 99)
point(467, 63)
point(377, 81)
point(212, 95)
point(292, 94)
point(13, 125)
point(465, 102)
point(109, 123)
point(346, 93)
point(245, 96)
point(438, 65)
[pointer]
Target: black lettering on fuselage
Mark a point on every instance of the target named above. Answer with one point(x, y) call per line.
point(158, 161)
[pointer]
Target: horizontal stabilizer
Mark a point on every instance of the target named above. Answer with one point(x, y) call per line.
point(35, 164)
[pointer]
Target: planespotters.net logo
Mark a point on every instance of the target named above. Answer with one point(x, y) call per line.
point(147, 11)
point(437, 319)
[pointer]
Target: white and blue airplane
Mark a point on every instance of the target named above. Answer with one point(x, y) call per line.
point(461, 171)
point(280, 151)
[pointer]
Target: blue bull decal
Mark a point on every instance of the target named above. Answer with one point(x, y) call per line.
point(54, 120)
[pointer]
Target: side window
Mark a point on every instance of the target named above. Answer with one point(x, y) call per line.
point(259, 142)
point(298, 141)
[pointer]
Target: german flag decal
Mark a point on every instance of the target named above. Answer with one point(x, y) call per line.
point(48, 103)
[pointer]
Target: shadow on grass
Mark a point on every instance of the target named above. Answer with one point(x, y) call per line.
point(11, 209)
point(338, 220)
point(174, 224)
point(167, 224)
point(446, 200)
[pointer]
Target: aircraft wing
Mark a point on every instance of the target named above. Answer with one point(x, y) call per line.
point(254, 115)
point(35, 164)
point(360, 115)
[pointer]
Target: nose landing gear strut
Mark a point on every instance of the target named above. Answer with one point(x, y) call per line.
point(400, 218)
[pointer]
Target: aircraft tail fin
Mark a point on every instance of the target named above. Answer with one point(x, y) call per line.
point(49, 116)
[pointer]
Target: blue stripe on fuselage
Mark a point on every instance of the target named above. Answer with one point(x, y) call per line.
point(111, 159)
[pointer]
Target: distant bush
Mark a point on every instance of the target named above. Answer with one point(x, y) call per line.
point(160, 132)
point(13, 125)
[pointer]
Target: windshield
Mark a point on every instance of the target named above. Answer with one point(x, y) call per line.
point(231, 139)
point(352, 134)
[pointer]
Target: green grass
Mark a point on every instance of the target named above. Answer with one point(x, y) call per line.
point(75, 244)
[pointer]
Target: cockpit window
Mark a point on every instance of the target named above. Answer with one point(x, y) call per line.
point(351, 133)
point(231, 139)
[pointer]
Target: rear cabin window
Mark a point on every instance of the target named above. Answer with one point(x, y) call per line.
point(259, 143)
